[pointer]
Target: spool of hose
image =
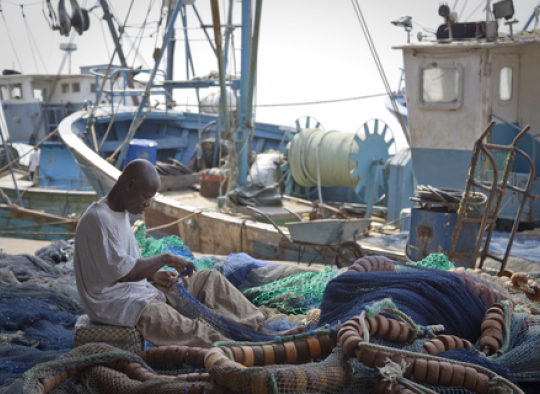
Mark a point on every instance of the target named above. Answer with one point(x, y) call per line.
point(331, 158)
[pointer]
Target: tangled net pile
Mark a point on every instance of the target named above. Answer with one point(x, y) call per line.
point(384, 328)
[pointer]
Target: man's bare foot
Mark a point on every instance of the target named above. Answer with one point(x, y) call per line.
point(293, 331)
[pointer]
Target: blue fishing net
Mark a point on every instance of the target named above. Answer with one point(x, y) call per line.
point(428, 296)
point(39, 306)
point(192, 308)
point(238, 266)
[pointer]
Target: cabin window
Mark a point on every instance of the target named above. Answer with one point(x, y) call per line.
point(4, 95)
point(76, 87)
point(38, 94)
point(505, 84)
point(16, 91)
point(440, 85)
point(92, 88)
point(65, 88)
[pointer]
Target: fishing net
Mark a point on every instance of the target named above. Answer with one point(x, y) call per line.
point(192, 308)
point(174, 245)
point(438, 261)
point(295, 294)
point(242, 270)
point(38, 309)
point(456, 300)
point(39, 305)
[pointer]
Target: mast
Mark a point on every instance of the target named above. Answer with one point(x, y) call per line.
point(108, 17)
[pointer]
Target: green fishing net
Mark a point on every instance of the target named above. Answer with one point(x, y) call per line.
point(438, 261)
point(295, 294)
point(171, 244)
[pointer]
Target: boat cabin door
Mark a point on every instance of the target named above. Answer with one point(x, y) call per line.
point(504, 82)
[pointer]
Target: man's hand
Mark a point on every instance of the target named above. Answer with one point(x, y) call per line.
point(180, 264)
point(165, 278)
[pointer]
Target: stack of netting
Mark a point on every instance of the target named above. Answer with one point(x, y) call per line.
point(39, 305)
point(289, 289)
point(391, 311)
point(381, 349)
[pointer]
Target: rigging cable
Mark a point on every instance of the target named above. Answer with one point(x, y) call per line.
point(378, 63)
point(51, 93)
point(476, 9)
point(10, 40)
point(141, 31)
point(90, 121)
point(103, 35)
point(463, 8)
point(32, 40)
point(128, 38)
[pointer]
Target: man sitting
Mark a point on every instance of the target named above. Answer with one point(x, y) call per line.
point(112, 277)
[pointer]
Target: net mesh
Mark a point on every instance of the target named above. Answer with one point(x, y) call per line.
point(39, 306)
point(295, 294)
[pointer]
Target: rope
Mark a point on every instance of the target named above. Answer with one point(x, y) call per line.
point(110, 159)
point(30, 40)
point(278, 339)
point(393, 372)
point(102, 87)
point(379, 66)
point(498, 379)
point(506, 329)
point(10, 39)
point(30, 151)
point(305, 154)
point(171, 223)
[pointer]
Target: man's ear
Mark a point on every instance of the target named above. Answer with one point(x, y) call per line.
point(130, 185)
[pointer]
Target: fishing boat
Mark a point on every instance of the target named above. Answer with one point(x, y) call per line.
point(440, 152)
point(32, 106)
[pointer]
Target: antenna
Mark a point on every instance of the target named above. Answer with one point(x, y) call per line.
point(68, 47)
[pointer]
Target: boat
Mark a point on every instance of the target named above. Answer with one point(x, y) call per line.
point(203, 223)
point(32, 106)
point(17, 222)
point(456, 86)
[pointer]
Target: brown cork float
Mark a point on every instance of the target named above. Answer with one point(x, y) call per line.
point(421, 370)
point(178, 355)
point(492, 329)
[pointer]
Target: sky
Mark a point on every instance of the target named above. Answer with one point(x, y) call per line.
point(309, 50)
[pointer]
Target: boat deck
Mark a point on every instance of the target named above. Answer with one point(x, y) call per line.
point(277, 214)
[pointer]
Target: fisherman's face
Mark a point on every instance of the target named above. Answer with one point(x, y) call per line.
point(139, 196)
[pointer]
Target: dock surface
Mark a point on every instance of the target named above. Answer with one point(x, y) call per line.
point(21, 246)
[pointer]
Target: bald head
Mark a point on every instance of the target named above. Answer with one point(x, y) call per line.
point(135, 188)
point(142, 172)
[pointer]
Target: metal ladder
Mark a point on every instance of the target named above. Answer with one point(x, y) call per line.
point(495, 189)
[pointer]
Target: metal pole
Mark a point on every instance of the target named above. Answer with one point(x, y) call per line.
point(228, 33)
point(170, 56)
point(223, 88)
point(184, 23)
point(108, 17)
point(244, 92)
point(135, 123)
point(204, 29)
point(8, 158)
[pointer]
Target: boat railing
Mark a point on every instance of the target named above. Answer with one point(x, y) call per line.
point(157, 88)
point(125, 73)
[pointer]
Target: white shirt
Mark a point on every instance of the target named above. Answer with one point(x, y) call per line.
point(106, 251)
point(34, 160)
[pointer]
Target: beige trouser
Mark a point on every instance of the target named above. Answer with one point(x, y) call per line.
point(162, 324)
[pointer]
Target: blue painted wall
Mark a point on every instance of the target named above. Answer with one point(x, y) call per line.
point(58, 169)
